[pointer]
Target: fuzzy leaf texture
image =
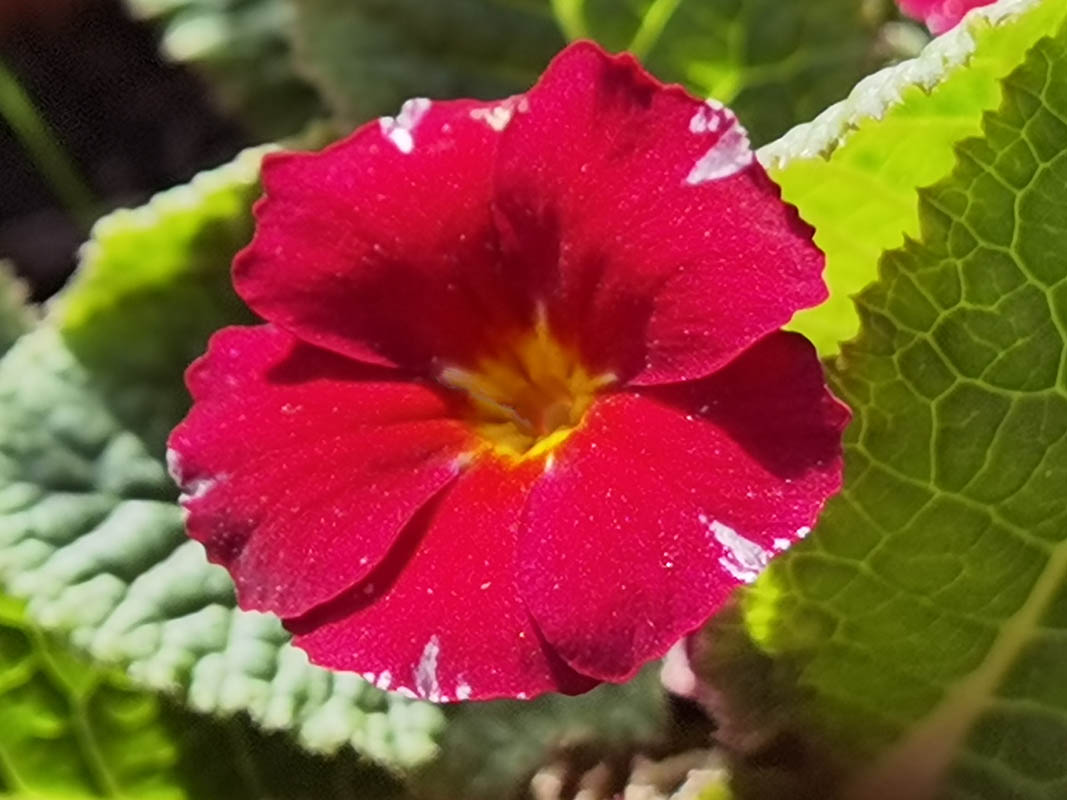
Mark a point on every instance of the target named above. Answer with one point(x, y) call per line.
point(854, 169)
point(775, 63)
point(70, 731)
point(91, 535)
point(918, 637)
point(90, 532)
point(16, 317)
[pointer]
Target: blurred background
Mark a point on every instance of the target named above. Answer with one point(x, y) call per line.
point(103, 102)
point(95, 117)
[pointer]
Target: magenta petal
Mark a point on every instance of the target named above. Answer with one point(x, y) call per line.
point(441, 617)
point(382, 247)
point(639, 216)
point(300, 468)
point(940, 15)
point(666, 499)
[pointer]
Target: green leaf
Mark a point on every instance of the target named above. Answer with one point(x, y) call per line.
point(853, 171)
point(775, 62)
point(69, 730)
point(368, 56)
point(241, 48)
point(89, 529)
point(920, 633)
point(117, 315)
point(16, 316)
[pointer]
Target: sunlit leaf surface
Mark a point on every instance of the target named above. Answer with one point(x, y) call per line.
point(919, 635)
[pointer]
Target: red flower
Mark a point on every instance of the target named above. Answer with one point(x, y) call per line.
point(521, 416)
point(940, 15)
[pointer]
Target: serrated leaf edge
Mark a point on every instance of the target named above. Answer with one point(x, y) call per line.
point(874, 96)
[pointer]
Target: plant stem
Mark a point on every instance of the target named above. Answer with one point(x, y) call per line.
point(52, 161)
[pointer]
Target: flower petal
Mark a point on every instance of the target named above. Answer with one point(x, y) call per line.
point(640, 217)
point(300, 468)
point(940, 15)
point(382, 246)
point(665, 500)
point(441, 617)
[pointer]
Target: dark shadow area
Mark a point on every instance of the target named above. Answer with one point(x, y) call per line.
point(233, 759)
point(131, 124)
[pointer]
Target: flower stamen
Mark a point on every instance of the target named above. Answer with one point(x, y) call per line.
point(528, 398)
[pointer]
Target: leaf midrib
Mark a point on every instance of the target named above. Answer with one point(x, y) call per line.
point(916, 765)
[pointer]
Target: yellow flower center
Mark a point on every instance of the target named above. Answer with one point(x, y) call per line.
point(527, 400)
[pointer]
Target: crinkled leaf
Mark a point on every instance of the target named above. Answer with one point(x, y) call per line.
point(89, 529)
point(921, 631)
point(241, 48)
point(69, 730)
point(853, 171)
point(120, 315)
point(16, 316)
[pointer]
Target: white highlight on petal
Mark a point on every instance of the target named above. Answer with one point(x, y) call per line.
point(496, 117)
point(463, 691)
point(803, 531)
point(400, 130)
point(196, 488)
point(426, 683)
point(174, 465)
point(706, 119)
point(782, 544)
point(727, 157)
point(732, 151)
point(191, 488)
point(384, 680)
point(743, 558)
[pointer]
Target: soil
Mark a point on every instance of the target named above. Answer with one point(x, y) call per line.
point(131, 123)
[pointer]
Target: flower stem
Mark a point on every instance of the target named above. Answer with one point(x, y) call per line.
point(52, 161)
point(569, 14)
point(655, 20)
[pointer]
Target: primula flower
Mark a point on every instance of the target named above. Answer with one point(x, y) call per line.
point(521, 415)
point(940, 15)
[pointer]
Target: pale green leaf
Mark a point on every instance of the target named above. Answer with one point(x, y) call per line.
point(918, 638)
point(89, 529)
point(853, 171)
point(16, 315)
